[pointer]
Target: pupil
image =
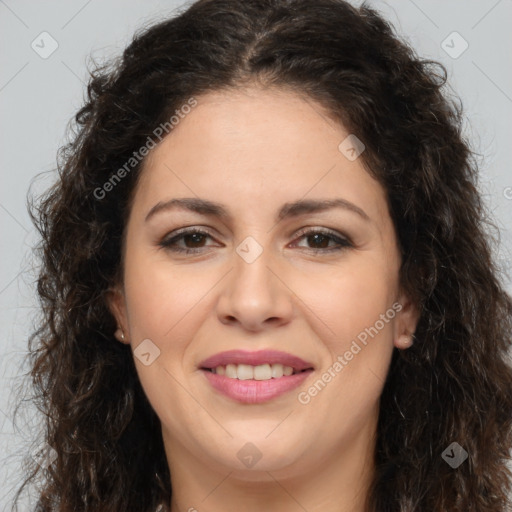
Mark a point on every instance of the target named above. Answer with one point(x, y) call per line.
point(318, 236)
point(196, 236)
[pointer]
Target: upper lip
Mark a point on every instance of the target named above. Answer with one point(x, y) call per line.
point(255, 358)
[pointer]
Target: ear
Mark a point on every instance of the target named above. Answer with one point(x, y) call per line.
point(117, 304)
point(406, 322)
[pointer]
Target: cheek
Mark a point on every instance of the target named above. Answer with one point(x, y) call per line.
point(163, 305)
point(354, 321)
point(351, 296)
point(160, 294)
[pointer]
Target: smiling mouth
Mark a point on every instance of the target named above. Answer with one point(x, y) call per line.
point(259, 372)
point(259, 384)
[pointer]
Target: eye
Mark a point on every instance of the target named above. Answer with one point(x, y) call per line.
point(321, 239)
point(194, 239)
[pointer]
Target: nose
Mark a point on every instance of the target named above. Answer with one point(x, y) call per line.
point(255, 296)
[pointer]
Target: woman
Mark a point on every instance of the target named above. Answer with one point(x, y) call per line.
point(266, 280)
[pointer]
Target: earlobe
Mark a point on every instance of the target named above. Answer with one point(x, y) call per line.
point(119, 334)
point(407, 321)
point(117, 306)
point(404, 341)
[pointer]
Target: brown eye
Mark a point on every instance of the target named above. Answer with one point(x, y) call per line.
point(320, 239)
point(193, 239)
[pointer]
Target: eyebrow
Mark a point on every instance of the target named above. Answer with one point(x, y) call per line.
point(288, 210)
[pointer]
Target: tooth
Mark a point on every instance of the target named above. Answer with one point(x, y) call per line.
point(262, 372)
point(287, 370)
point(245, 372)
point(277, 370)
point(231, 371)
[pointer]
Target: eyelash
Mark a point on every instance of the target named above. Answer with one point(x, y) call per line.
point(343, 242)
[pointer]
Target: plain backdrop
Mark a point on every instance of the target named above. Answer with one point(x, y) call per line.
point(45, 50)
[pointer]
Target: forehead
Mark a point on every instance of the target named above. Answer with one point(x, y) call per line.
point(253, 146)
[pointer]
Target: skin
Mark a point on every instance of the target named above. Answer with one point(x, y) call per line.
point(253, 151)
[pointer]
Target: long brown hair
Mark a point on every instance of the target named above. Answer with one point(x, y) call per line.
point(453, 385)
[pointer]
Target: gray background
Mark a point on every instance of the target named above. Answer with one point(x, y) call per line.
point(39, 96)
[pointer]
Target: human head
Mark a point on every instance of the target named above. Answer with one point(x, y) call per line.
point(372, 85)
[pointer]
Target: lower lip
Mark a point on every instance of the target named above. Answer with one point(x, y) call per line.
point(255, 391)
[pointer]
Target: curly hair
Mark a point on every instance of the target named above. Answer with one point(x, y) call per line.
point(453, 385)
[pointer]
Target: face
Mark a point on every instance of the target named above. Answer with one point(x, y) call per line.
point(251, 262)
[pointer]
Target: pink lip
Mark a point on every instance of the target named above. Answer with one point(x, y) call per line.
point(255, 391)
point(255, 359)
